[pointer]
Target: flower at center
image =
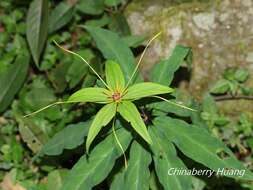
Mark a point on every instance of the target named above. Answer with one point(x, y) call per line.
point(116, 96)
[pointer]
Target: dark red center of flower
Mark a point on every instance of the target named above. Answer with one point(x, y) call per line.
point(116, 96)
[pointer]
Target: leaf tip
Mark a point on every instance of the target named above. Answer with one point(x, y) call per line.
point(158, 34)
point(149, 140)
point(87, 146)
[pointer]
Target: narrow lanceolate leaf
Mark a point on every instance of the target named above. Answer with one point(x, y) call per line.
point(97, 95)
point(199, 145)
point(165, 158)
point(60, 16)
point(114, 76)
point(145, 89)
point(89, 171)
point(130, 113)
point(64, 139)
point(12, 79)
point(137, 174)
point(102, 118)
point(112, 47)
point(36, 28)
point(163, 72)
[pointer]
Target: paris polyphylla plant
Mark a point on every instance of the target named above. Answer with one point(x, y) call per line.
point(118, 97)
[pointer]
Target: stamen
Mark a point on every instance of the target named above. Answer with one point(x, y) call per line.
point(142, 55)
point(46, 107)
point(174, 103)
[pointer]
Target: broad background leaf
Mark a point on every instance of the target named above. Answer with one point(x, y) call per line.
point(32, 134)
point(118, 180)
point(100, 22)
point(78, 69)
point(37, 27)
point(165, 157)
point(113, 47)
point(55, 179)
point(89, 171)
point(153, 182)
point(92, 7)
point(57, 76)
point(38, 96)
point(113, 2)
point(163, 72)
point(119, 24)
point(163, 108)
point(137, 173)
point(70, 137)
point(199, 145)
point(134, 41)
point(12, 79)
point(60, 16)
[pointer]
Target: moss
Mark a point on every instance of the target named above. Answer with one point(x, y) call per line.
point(224, 43)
